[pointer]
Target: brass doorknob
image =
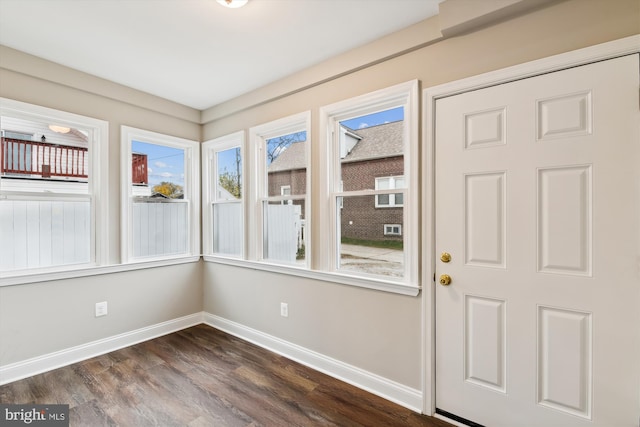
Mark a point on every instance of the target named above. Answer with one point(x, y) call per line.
point(445, 257)
point(445, 280)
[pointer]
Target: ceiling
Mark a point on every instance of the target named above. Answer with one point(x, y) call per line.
point(196, 52)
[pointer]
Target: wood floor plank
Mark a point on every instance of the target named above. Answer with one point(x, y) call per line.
point(204, 377)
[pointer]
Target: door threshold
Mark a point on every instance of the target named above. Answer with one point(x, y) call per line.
point(448, 416)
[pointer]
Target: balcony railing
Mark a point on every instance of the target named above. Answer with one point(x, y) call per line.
point(139, 170)
point(32, 158)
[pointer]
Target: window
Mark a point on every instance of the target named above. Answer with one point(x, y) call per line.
point(367, 188)
point(223, 190)
point(393, 230)
point(285, 190)
point(370, 157)
point(281, 153)
point(389, 200)
point(53, 168)
point(160, 210)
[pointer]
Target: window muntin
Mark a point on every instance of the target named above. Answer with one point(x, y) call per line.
point(159, 195)
point(281, 151)
point(51, 210)
point(223, 189)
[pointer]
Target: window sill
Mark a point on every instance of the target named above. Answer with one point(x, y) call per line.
point(11, 279)
point(340, 278)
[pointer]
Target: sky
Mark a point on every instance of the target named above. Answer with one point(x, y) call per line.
point(165, 163)
point(387, 116)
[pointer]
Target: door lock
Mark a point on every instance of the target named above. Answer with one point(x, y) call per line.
point(445, 280)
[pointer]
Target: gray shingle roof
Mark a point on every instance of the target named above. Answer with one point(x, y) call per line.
point(379, 141)
point(294, 157)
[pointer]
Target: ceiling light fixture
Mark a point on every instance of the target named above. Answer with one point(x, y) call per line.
point(59, 129)
point(233, 4)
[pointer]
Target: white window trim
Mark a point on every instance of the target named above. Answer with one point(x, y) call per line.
point(258, 135)
point(98, 166)
point(406, 95)
point(209, 148)
point(192, 184)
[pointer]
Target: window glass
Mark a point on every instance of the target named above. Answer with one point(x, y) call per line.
point(366, 243)
point(160, 214)
point(284, 232)
point(229, 174)
point(371, 151)
point(226, 204)
point(158, 222)
point(47, 212)
point(284, 219)
point(38, 156)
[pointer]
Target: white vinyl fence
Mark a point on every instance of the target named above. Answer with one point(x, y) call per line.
point(283, 227)
point(227, 228)
point(160, 228)
point(44, 233)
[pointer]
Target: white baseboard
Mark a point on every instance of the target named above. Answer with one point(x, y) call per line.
point(383, 387)
point(58, 359)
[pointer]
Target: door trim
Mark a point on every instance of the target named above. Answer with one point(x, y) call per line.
point(600, 52)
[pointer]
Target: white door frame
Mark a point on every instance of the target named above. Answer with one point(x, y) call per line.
point(625, 46)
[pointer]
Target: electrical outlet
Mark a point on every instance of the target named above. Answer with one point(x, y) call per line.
point(284, 309)
point(101, 308)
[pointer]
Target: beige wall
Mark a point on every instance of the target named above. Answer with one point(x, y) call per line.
point(40, 318)
point(377, 331)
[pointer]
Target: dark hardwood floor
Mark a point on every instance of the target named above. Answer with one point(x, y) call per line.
point(203, 377)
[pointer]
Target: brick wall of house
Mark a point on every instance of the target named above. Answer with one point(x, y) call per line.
point(362, 175)
point(296, 178)
point(360, 219)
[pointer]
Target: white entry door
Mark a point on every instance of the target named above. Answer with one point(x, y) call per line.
point(537, 203)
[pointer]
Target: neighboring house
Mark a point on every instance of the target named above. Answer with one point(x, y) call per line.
point(371, 159)
point(40, 151)
point(288, 176)
point(374, 162)
point(288, 172)
point(48, 156)
point(140, 175)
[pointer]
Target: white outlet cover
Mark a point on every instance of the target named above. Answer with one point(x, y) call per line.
point(101, 309)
